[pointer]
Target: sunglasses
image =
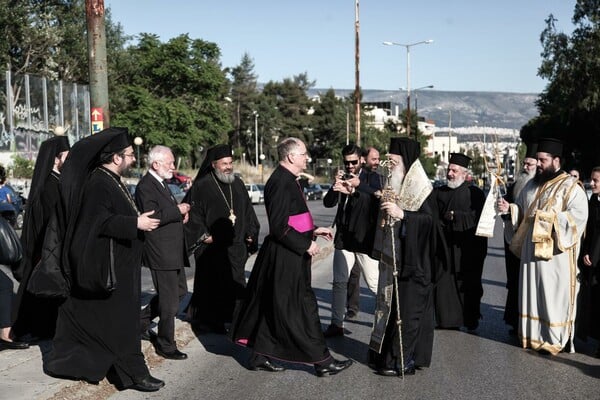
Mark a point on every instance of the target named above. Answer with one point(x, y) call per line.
point(350, 162)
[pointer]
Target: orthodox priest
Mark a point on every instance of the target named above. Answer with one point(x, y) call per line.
point(405, 244)
point(223, 228)
point(548, 217)
point(35, 317)
point(98, 326)
point(280, 316)
point(459, 267)
point(512, 262)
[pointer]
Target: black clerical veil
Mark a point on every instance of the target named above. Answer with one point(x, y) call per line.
point(82, 160)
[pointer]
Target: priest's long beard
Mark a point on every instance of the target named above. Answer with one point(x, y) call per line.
point(223, 177)
point(521, 181)
point(456, 182)
point(397, 178)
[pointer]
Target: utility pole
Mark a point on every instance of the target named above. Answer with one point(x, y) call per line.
point(94, 11)
point(357, 73)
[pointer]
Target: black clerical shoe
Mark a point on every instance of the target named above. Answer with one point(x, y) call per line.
point(351, 315)
point(333, 368)
point(148, 384)
point(333, 331)
point(387, 372)
point(171, 355)
point(472, 326)
point(149, 335)
point(409, 368)
point(268, 365)
point(6, 344)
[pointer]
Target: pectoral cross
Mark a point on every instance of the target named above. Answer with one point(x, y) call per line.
point(232, 217)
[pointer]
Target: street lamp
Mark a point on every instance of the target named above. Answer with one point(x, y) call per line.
point(417, 97)
point(408, 46)
point(329, 161)
point(138, 141)
point(262, 168)
point(256, 137)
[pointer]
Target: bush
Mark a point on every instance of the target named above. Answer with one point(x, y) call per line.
point(22, 167)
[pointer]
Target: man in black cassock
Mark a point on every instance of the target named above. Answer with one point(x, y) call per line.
point(513, 263)
point(458, 289)
point(35, 317)
point(280, 317)
point(97, 331)
point(405, 245)
point(224, 229)
point(587, 323)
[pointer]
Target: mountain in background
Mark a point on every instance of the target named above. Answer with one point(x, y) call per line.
point(490, 109)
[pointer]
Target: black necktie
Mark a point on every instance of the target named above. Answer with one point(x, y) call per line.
point(166, 185)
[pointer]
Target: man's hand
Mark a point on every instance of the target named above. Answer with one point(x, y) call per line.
point(354, 181)
point(587, 261)
point(502, 205)
point(314, 249)
point(184, 208)
point(146, 223)
point(342, 187)
point(392, 210)
point(208, 240)
point(325, 233)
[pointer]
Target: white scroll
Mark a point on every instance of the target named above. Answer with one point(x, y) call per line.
point(487, 220)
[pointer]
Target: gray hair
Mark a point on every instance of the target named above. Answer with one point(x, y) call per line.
point(157, 153)
point(287, 146)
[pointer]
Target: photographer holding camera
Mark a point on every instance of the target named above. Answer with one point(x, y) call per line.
point(355, 192)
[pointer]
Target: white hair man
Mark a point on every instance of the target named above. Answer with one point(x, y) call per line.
point(459, 290)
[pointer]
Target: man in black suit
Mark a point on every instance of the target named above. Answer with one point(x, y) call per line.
point(355, 223)
point(164, 251)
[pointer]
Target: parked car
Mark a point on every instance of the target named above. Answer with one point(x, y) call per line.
point(131, 188)
point(179, 179)
point(261, 187)
point(178, 193)
point(325, 187)
point(313, 192)
point(254, 193)
point(13, 212)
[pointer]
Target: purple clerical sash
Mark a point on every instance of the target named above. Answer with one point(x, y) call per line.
point(301, 222)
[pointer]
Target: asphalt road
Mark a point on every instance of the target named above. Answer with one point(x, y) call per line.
point(485, 365)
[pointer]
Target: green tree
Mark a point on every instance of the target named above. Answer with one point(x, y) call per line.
point(329, 124)
point(290, 100)
point(173, 93)
point(49, 38)
point(244, 98)
point(570, 104)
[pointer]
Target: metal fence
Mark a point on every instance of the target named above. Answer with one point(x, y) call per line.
point(31, 107)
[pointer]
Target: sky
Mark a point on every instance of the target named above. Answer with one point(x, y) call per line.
point(478, 45)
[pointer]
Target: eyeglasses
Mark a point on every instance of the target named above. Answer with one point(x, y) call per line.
point(132, 155)
point(300, 154)
point(530, 164)
point(350, 162)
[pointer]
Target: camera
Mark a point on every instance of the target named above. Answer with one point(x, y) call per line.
point(347, 176)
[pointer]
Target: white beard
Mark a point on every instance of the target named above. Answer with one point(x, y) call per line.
point(521, 181)
point(397, 178)
point(455, 183)
point(224, 178)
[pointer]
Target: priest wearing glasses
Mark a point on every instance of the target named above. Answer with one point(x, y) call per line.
point(222, 232)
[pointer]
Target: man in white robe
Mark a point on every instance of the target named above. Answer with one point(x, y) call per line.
point(548, 219)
